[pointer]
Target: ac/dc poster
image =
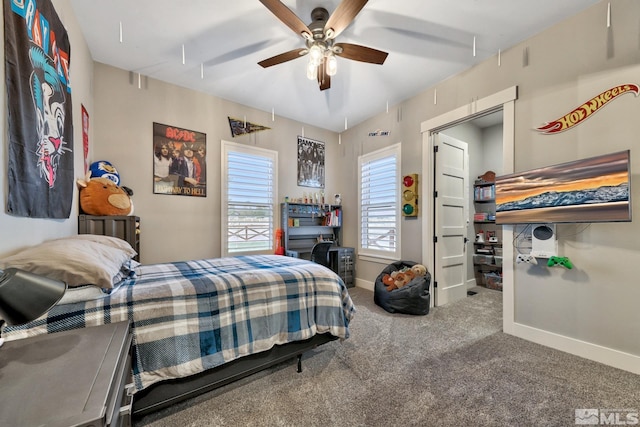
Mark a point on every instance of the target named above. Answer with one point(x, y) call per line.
point(179, 161)
point(37, 58)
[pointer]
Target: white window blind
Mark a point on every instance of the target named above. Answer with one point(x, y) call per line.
point(379, 212)
point(249, 196)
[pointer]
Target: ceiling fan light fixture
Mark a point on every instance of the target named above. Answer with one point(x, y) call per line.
point(315, 54)
point(320, 37)
point(332, 65)
point(312, 71)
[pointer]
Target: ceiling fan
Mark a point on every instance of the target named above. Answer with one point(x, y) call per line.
point(320, 37)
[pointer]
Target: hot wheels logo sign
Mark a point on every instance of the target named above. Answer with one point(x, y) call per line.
point(585, 111)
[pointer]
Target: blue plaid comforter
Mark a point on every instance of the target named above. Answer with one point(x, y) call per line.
point(190, 316)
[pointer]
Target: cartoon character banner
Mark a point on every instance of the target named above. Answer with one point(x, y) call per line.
point(37, 58)
point(179, 161)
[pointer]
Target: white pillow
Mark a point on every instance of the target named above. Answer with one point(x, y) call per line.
point(74, 261)
point(114, 242)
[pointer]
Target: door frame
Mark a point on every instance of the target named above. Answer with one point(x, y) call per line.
point(505, 101)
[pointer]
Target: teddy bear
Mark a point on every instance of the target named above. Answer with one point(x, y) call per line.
point(102, 196)
point(419, 270)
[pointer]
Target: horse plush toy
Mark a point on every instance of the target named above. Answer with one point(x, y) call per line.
point(102, 196)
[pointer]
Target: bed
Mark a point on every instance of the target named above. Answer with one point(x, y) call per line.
point(196, 325)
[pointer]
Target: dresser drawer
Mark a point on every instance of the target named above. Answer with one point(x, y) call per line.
point(120, 405)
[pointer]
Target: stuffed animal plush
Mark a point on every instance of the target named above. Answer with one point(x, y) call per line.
point(102, 196)
point(419, 270)
point(399, 278)
point(104, 169)
point(410, 274)
point(389, 282)
point(404, 277)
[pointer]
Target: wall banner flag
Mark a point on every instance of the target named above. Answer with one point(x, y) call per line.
point(85, 137)
point(37, 59)
point(243, 127)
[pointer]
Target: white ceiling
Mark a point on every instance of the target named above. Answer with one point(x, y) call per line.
point(427, 40)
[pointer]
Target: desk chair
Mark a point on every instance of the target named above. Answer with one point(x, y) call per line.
point(320, 253)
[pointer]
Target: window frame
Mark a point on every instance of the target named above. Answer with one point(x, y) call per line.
point(226, 148)
point(373, 254)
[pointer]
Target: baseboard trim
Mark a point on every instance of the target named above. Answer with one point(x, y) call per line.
point(597, 353)
point(365, 284)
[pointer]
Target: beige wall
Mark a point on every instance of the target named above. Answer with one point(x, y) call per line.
point(597, 301)
point(183, 227)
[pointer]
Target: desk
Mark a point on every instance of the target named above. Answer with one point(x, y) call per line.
point(342, 261)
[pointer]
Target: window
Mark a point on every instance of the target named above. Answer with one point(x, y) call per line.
point(379, 189)
point(248, 199)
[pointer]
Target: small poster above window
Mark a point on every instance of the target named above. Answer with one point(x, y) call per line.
point(179, 161)
point(310, 163)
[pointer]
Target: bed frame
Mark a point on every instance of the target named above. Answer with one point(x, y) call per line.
point(166, 393)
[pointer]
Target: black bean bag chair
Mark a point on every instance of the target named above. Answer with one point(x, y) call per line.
point(412, 298)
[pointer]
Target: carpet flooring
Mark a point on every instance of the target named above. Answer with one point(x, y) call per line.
point(452, 367)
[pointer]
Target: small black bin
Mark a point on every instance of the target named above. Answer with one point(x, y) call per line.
point(412, 298)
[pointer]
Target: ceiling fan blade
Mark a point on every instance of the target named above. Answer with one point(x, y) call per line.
point(342, 17)
point(283, 57)
point(324, 79)
point(360, 53)
point(289, 18)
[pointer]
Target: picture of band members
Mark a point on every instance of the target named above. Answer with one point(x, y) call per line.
point(310, 163)
point(179, 161)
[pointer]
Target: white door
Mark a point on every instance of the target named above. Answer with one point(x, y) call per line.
point(451, 218)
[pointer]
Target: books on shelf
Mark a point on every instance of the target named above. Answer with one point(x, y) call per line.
point(484, 217)
point(484, 193)
point(333, 218)
point(480, 216)
point(298, 215)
